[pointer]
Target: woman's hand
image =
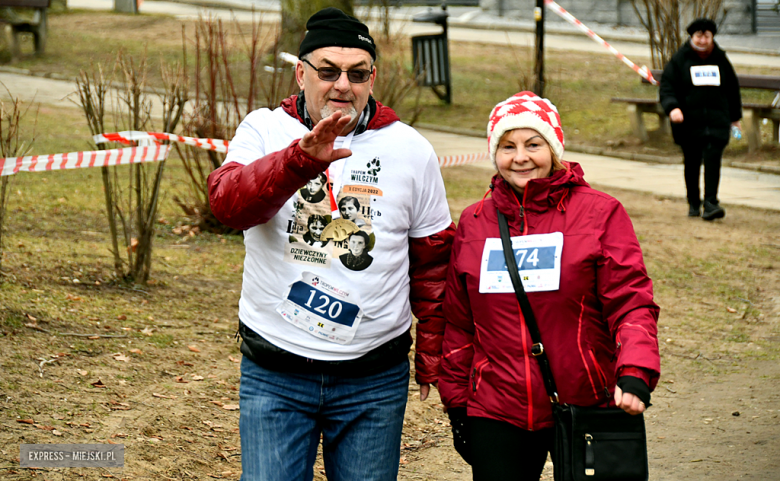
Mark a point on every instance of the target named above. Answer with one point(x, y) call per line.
point(676, 116)
point(319, 142)
point(628, 402)
point(425, 388)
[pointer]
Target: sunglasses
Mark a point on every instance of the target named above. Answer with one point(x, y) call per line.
point(332, 74)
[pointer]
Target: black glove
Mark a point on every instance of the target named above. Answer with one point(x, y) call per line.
point(635, 386)
point(460, 432)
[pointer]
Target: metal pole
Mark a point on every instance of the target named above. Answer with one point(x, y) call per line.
point(539, 64)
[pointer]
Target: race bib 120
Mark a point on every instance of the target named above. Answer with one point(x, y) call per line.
point(322, 309)
point(538, 260)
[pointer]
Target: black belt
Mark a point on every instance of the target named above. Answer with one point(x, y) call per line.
point(272, 357)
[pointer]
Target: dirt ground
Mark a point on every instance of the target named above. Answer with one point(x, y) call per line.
point(166, 386)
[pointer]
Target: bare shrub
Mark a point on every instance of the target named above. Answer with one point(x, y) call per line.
point(132, 193)
point(13, 143)
point(666, 20)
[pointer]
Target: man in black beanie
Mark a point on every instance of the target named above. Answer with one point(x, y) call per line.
point(325, 339)
point(700, 93)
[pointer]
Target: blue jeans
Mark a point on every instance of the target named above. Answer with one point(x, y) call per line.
point(283, 415)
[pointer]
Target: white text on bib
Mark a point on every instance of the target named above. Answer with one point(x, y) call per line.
point(322, 309)
point(538, 261)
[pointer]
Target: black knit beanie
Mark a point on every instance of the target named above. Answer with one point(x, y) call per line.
point(702, 25)
point(330, 27)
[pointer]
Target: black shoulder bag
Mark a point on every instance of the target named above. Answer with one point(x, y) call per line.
point(590, 443)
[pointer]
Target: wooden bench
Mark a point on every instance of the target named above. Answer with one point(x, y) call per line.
point(752, 113)
point(36, 26)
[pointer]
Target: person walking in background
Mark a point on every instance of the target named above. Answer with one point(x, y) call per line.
point(587, 285)
point(700, 94)
point(326, 344)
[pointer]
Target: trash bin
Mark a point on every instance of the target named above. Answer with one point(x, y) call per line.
point(431, 56)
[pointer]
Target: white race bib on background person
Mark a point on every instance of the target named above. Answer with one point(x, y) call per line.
point(322, 309)
point(705, 75)
point(538, 261)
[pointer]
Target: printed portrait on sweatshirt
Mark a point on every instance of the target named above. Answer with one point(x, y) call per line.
point(357, 258)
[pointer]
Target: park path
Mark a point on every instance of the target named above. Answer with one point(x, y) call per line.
point(738, 187)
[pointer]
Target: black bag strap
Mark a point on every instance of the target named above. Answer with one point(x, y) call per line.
point(537, 350)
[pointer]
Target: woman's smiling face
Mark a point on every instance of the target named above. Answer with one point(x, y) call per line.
point(522, 155)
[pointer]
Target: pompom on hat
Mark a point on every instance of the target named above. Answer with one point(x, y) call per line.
point(525, 110)
point(330, 27)
point(702, 25)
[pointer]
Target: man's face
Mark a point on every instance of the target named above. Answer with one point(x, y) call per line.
point(324, 98)
point(357, 245)
point(702, 40)
point(349, 211)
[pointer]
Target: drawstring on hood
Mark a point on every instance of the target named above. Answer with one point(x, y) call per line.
point(478, 210)
point(561, 207)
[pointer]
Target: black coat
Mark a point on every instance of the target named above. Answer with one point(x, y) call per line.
point(708, 111)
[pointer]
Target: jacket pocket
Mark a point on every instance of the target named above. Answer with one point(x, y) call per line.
point(600, 373)
point(476, 374)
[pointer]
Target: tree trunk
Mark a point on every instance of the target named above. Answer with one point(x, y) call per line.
point(295, 13)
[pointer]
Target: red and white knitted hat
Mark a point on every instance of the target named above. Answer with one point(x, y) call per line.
point(525, 110)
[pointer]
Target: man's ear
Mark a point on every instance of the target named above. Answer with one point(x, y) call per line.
point(299, 74)
point(371, 81)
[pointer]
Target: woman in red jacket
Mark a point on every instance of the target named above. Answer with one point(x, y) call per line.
point(583, 270)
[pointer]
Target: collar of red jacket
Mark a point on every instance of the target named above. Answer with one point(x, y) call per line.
point(383, 116)
point(540, 194)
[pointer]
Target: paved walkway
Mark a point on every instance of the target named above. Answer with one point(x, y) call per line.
point(738, 187)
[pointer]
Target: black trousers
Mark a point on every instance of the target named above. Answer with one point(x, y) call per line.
point(709, 152)
point(503, 452)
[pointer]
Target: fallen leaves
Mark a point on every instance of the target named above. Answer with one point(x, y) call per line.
point(163, 396)
point(120, 357)
point(98, 384)
point(233, 359)
point(136, 351)
point(193, 348)
point(82, 372)
point(25, 421)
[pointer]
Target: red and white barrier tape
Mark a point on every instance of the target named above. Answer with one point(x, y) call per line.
point(129, 136)
point(218, 145)
point(80, 160)
point(643, 71)
point(453, 160)
point(151, 153)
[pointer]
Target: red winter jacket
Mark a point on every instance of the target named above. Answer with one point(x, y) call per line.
point(600, 323)
point(243, 196)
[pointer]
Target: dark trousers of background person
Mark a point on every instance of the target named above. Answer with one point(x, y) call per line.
point(502, 451)
point(708, 152)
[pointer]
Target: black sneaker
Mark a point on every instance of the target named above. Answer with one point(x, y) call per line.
point(694, 211)
point(713, 211)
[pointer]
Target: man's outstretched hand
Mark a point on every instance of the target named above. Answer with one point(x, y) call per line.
point(319, 142)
